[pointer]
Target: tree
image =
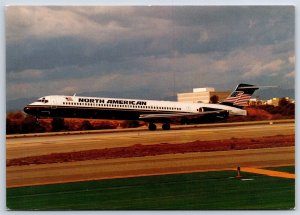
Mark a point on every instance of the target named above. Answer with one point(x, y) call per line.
point(18, 115)
point(86, 125)
point(283, 102)
point(58, 124)
point(9, 126)
point(214, 99)
point(130, 124)
point(30, 125)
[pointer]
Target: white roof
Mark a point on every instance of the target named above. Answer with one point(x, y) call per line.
point(205, 89)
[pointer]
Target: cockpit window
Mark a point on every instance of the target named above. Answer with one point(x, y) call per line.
point(42, 100)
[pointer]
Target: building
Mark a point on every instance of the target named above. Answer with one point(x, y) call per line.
point(202, 95)
point(273, 101)
point(256, 102)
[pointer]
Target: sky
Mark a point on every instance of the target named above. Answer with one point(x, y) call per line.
point(146, 52)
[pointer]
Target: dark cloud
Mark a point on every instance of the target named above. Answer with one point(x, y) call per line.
point(149, 43)
point(45, 53)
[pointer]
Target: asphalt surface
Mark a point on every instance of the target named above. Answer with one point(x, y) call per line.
point(150, 165)
point(40, 145)
point(139, 166)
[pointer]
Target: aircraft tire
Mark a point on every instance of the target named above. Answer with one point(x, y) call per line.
point(166, 126)
point(152, 127)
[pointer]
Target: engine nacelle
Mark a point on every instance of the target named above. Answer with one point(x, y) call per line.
point(201, 109)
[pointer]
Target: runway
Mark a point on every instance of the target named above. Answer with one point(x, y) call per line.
point(150, 165)
point(138, 166)
point(40, 145)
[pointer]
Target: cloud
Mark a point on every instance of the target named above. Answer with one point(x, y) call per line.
point(86, 49)
point(48, 22)
point(31, 74)
point(62, 86)
point(290, 74)
point(270, 68)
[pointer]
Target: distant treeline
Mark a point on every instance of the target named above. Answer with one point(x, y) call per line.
point(20, 123)
point(284, 108)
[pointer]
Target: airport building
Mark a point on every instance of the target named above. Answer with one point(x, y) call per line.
point(256, 102)
point(202, 95)
point(273, 101)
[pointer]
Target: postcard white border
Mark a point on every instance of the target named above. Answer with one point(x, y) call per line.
point(131, 2)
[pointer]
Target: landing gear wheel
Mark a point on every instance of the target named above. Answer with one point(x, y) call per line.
point(166, 126)
point(37, 122)
point(152, 127)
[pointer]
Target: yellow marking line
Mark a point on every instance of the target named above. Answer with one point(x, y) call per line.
point(268, 172)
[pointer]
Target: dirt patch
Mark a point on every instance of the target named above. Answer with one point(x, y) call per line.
point(140, 150)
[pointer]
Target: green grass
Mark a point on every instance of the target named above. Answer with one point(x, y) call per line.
point(210, 190)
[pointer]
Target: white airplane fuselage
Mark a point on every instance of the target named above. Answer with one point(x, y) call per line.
point(150, 111)
point(116, 108)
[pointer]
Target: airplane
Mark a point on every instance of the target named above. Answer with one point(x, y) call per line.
point(150, 111)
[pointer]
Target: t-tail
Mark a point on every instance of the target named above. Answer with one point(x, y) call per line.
point(240, 96)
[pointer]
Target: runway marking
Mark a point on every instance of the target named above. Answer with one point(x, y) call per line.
point(269, 172)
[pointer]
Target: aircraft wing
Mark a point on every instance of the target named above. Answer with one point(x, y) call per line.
point(178, 117)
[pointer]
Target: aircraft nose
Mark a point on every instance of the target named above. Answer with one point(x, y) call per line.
point(27, 110)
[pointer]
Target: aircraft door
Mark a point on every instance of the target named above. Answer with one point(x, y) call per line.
point(53, 104)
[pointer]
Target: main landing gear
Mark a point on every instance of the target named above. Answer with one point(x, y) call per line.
point(165, 126)
point(152, 127)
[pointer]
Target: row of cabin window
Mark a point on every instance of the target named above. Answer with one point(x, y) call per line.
point(126, 106)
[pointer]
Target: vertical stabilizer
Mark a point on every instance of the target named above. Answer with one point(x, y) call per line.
point(241, 95)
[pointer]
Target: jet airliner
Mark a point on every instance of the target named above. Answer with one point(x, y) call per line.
point(150, 111)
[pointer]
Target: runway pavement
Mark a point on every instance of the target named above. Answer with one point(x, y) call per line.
point(149, 165)
point(31, 146)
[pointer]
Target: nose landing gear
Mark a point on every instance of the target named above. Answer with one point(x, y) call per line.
point(37, 121)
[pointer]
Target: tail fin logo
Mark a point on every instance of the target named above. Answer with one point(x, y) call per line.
point(238, 98)
point(241, 95)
